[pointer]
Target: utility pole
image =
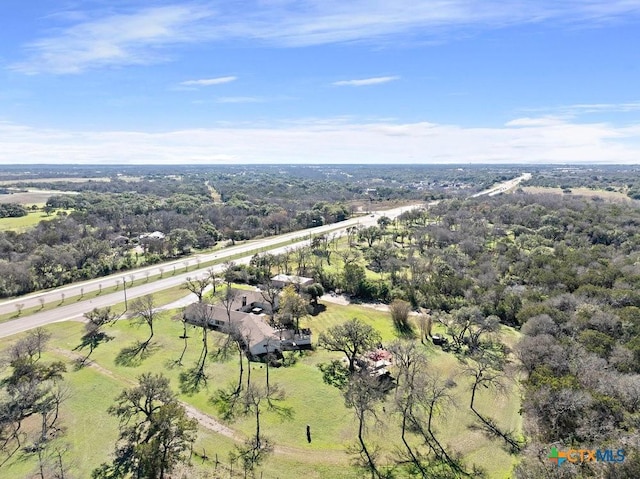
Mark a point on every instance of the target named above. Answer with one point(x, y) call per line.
point(266, 347)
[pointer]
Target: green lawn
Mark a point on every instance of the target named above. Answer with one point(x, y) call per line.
point(23, 223)
point(91, 432)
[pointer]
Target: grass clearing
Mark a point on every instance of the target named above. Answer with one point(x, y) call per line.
point(312, 402)
point(615, 196)
point(23, 223)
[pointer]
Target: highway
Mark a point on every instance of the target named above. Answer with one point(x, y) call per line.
point(503, 187)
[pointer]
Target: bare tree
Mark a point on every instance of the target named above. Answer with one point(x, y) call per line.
point(487, 370)
point(198, 286)
point(362, 394)
point(144, 311)
point(301, 257)
point(425, 324)
point(399, 310)
point(227, 301)
point(191, 380)
point(213, 278)
point(94, 334)
point(32, 345)
point(253, 401)
point(411, 365)
point(270, 294)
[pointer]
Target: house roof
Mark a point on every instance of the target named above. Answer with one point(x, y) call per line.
point(154, 235)
point(252, 297)
point(252, 326)
point(255, 329)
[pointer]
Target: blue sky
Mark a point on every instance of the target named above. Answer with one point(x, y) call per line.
point(320, 81)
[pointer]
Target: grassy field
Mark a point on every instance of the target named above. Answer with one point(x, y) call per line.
point(22, 223)
point(32, 197)
point(93, 388)
point(601, 194)
point(54, 180)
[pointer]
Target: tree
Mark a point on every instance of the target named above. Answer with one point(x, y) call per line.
point(198, 286)
point(144, 310)
point(378, 255)
point(425, 324)
point(292, 306)
point(361, 394)
point(93, 332)
point(468, 324)
point(314, 291)
point(370, 234)
point(353, 276)
point(30, 388)
point(351, 234)
point(191, 379)
point(182, 240)
point(270, 293)
point(383, 222)
point(400, 310)
point(353, 338)
point(487, 370)
point(155, 431)
point(419, 396)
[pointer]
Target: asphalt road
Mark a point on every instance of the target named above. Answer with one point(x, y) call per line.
point(502, 187)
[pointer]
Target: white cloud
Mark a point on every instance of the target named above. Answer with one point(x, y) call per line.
point(366, 81)
point(589, 108)
point(329, 141)
point(239, 99)
point(143, 36)
point(528, 122)
point(209, 81)
point(315, 22)
point(121, 39)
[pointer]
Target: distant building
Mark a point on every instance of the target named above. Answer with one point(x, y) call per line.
point(156, 235)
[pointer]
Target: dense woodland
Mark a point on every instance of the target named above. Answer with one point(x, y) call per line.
point(194, 209)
